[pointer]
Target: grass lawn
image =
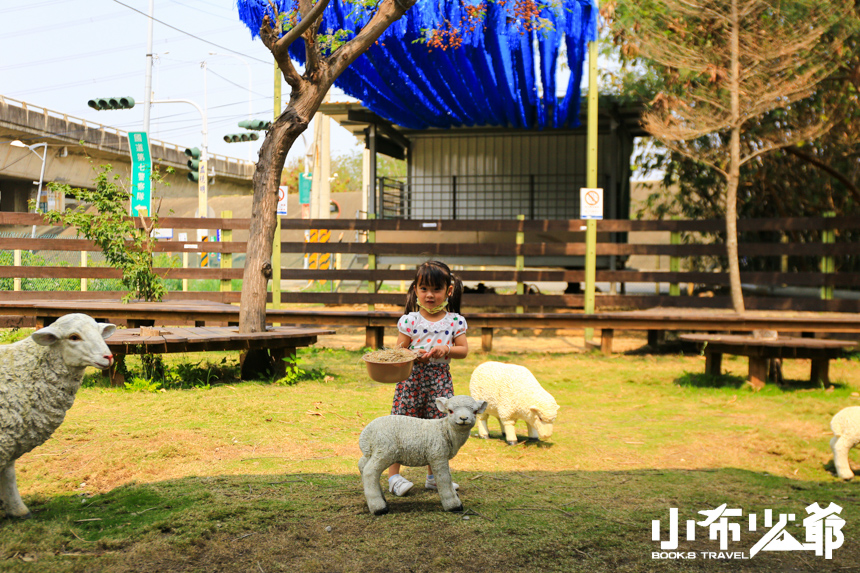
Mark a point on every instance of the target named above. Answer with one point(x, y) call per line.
point(257, 477)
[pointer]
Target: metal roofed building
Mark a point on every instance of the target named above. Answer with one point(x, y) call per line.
point(494, 172)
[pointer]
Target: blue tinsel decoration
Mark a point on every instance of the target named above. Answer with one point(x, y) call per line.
point(491, 79)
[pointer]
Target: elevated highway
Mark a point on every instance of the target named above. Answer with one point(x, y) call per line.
point(77, 146)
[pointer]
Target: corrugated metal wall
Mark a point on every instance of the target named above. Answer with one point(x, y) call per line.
point(484, 175)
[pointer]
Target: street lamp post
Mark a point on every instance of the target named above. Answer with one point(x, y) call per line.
point(203, 193)
point(43, 157)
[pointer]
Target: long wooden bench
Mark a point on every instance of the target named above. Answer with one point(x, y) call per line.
point(170, 313)
point(761, 350)
point(280, 343)
point(375, 322)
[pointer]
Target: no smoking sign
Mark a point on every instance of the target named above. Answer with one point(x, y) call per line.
point(590, 203)
point(282, 200)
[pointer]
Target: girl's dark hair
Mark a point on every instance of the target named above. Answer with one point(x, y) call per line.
point(435, 274)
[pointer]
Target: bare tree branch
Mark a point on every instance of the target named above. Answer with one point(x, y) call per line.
point(388, 12)
point(270, 39)
point(827, 169)
point(308, 18)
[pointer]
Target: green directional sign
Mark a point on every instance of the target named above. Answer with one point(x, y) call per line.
point(305, 182)
point(141, 169)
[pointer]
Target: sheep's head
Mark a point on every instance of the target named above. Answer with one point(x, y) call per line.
point(461, 410)
point(80, 340)
point(542, 420)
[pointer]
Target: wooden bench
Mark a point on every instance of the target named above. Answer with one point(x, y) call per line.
point(172, 312)
point(761, 350)
point(280, 343)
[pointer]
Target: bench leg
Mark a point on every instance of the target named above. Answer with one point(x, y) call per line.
point(820, 371)
point(374, 336)
point(714, 363)
point(606, 336)
point(114, 374)
point(280, 357)
point(758, 372)
point(654, 337)
point(255, 364)
point(487, 339)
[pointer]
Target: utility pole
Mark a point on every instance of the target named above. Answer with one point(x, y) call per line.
point(147, 91)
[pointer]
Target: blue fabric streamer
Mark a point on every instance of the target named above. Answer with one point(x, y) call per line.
point(491, 79)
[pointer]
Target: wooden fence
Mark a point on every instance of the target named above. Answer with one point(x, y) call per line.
point(375, 241)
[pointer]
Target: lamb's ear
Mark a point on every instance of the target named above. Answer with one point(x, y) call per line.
point(442, 404)
point(482, 405)
point(107, 329)
point(45, 336)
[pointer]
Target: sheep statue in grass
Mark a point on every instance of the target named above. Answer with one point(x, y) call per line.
point(417, 442)
point(846, 429)
point(39, 377)
point(512, 393)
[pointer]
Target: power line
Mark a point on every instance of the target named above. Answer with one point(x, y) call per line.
point(68, 24)
point(28, 5)
point(13, 163)
point(229, 81)
point(192, 35)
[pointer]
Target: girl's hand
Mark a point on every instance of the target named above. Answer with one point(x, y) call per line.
point(440, 351)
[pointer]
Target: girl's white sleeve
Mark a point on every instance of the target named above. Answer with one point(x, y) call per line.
point(460, 326)
point(404, 325)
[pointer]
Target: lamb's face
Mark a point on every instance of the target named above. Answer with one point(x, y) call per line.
point(80, 340)
point(543, 421)
point(461, 410)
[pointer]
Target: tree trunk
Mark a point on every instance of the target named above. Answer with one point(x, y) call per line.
point(734, 169)
point(267, 178)
point(732, 223)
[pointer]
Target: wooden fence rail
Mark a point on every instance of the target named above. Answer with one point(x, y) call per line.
point(478, 238)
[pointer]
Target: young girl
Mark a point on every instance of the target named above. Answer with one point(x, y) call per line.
point(433, 326)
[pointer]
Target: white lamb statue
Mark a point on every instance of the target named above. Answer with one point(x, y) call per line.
point(39, 377)
point(417, 442)
point(512, 393)
point(846, 427)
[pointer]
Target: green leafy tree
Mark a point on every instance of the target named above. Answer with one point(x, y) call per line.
point(720, 68)
point(102, 217)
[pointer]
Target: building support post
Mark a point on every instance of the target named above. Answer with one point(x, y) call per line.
point(591, 182)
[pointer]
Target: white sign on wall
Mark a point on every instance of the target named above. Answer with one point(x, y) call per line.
point(590, 203)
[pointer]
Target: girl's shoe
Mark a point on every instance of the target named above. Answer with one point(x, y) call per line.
point(399, 485)
point(431, 484)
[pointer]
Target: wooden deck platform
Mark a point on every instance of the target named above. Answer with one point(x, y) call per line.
point(761, 350)
point(202, 312)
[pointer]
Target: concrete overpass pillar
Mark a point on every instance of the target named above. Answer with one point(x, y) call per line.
point(14, 195)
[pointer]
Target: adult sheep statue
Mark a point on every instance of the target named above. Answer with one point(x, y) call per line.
point(417, 442)
point(513, 393)
point(39, 377)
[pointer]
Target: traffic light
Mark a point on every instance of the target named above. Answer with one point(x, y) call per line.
point(255, 124)
point(100, 104)
point(193, 154)
point(237, 137)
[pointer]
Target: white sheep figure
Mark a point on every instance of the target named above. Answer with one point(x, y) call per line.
point(417, 442)
point(846, 427)
point(39, 377)
point(512, 393)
